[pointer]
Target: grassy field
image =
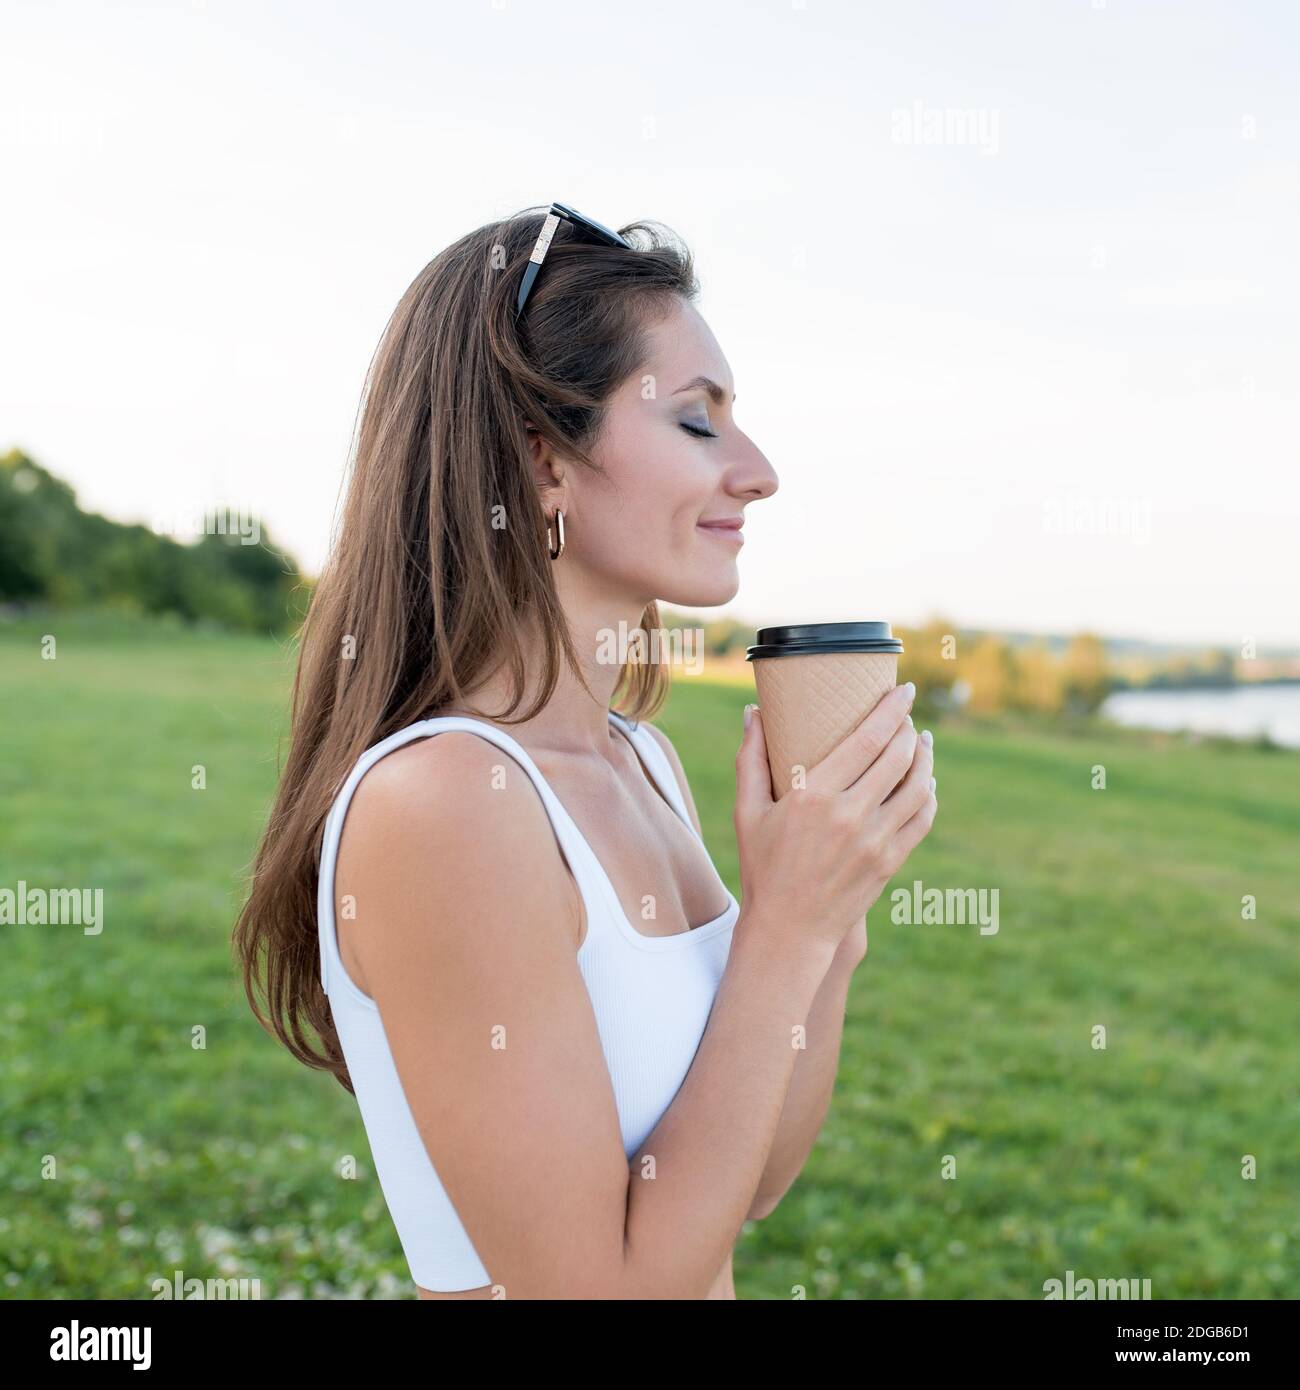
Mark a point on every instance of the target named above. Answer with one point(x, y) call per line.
point(127, 1152)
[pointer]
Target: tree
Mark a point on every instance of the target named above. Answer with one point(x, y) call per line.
point(1087, 682)
point(1040, 679)
point(990, 669)
point(53, 552)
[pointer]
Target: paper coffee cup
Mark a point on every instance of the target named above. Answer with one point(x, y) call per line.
point(816, 683)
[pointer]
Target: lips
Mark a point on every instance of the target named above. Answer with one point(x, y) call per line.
point(727, 529)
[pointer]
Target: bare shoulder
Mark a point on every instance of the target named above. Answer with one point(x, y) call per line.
point(679, 771)
point(451, 772)
point(452, 823)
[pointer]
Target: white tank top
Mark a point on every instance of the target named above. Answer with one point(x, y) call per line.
point(651, 996)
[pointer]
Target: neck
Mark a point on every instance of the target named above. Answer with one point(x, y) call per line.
point(571, 721)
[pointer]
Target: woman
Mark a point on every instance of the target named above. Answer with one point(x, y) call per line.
point(485, 891)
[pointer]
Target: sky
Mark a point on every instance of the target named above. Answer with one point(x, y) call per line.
point(1009, 290)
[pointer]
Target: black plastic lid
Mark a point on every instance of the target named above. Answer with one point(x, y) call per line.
point(808, 639)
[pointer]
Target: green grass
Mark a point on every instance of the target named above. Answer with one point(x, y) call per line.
point(1117, 908)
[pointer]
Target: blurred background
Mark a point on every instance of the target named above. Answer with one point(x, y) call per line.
point(1010, 297)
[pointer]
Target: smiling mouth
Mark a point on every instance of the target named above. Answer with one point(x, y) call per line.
point(727, 531)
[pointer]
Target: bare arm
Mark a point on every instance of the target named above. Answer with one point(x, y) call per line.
point(816, 1063)
point(469, 953)
point(813, 1083)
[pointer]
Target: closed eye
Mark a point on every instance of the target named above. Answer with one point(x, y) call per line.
point(698, 433)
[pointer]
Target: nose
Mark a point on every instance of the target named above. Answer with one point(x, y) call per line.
point(752, 475)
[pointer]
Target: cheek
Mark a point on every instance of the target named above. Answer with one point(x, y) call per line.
point(643, 527)
point(662, 486)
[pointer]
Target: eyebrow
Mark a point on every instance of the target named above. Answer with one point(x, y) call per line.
point(716, 394)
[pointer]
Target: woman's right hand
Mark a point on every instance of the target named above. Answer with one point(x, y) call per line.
point(813, 862)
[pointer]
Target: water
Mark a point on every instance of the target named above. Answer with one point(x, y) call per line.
point(1238, 712)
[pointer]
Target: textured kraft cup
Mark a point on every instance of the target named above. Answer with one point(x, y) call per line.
point(816, 683)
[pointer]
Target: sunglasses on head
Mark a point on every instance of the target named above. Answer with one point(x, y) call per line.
point(584, 226)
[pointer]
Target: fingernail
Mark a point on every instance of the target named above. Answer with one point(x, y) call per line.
point(927, 736)
point(749, 714)
point(933, 783)
point(910, 688)
point(909, 720)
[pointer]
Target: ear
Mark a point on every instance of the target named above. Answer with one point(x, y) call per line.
point(548, 471)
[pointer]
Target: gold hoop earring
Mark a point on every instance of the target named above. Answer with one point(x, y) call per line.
point(556, 552)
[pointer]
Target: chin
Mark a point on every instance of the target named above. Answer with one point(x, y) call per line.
point(705, 590)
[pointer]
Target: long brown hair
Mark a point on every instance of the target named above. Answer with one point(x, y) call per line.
point(441, 551)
